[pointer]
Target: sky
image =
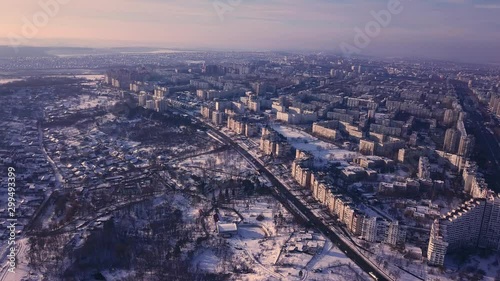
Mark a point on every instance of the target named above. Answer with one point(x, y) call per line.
point(466, 30)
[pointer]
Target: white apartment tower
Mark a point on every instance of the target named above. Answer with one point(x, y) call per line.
point(475, 224)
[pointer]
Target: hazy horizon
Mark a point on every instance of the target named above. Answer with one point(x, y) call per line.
point(459, 30)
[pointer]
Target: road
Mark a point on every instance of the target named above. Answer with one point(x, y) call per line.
point(5, 275)
point(486, 142)
point(314, 260)
point(300, 210)
point(58, 176)
point(59, 183)
point(483, 136)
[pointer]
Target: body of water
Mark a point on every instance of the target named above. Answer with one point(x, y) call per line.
point(92, 77)
point(5, 81)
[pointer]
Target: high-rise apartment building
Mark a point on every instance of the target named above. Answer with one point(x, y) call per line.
point(143, 98)
point(466, 145)
point(424, 168)
point(475, 224)
point(451, 141)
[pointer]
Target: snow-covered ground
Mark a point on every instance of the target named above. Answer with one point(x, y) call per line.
point(87, 102)
point(22, 268)
point(227, 164)
point(206, 260)
point(306, 142)
point(332, 264)
point(266, 248)
point(475, 266)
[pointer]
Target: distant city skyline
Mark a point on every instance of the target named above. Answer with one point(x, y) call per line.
point(460, 30)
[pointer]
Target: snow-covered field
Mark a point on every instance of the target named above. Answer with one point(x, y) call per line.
point(87, 101)
point(22, 268)
point(306, 142)
point(227, 164)
point(266, 248)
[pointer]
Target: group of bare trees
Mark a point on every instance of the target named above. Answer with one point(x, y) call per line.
point(158, 250)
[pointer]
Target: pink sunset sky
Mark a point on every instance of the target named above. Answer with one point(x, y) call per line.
point(429, 28)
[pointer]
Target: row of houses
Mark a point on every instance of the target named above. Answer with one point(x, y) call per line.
point(333, 129)
point(371, 229)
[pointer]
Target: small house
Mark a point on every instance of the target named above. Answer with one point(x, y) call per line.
point(227, 230)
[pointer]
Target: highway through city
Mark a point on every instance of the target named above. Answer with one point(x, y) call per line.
point(295, 206)
point(299, 209)
point(486, 141)
point(485, 138)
